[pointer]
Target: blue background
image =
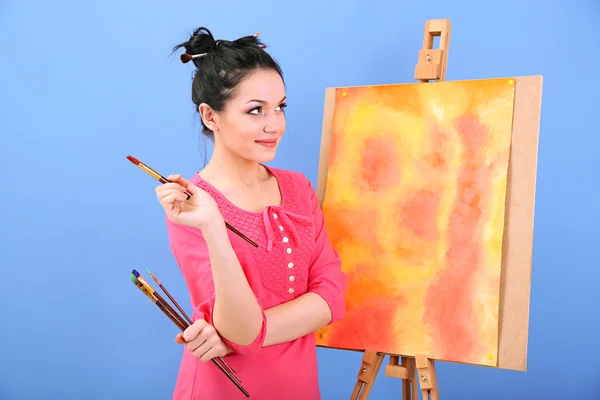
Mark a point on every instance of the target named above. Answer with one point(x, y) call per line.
point(85, 83)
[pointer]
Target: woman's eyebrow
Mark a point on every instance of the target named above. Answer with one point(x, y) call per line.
point(265, 102)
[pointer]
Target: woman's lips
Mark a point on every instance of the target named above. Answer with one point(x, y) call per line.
point(267, 143)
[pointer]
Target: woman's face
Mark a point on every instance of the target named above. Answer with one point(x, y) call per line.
point(252, 122)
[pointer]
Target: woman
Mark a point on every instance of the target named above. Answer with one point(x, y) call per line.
point(257, 307)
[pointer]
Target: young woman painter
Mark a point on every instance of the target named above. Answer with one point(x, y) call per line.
point(257, 307)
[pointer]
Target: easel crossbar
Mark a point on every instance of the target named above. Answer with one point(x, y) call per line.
point(405, 368)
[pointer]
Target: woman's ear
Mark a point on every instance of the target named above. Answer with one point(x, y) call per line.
point(209, 117)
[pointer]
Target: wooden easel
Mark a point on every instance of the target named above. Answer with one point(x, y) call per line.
point(431, 66)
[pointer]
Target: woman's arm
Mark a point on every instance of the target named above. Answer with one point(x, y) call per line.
point(235, 311)
point(296, 318)
point(237, 315)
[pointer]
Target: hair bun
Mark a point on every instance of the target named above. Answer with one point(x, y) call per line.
point(200, 42)
point(250, 41)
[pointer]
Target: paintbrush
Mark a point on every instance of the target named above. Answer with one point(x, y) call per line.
point(169, 296)
point(163, 305)
point(162, 179)
point(160, 299)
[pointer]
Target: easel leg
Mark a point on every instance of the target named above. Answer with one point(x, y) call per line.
point(371, 362)
point(427, 378)
point(404, 368)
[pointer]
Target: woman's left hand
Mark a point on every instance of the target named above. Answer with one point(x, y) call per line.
point(203, 341)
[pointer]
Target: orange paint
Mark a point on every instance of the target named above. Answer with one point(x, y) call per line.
point(374, 303)
point(359, 225)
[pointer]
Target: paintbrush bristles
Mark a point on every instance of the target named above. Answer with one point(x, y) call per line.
point(133, 160)
point(185, 58)
point(143, 288)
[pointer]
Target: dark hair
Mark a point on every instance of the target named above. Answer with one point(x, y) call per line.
point(224, 65)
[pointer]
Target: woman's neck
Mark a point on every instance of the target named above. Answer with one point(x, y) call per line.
point(224, 171)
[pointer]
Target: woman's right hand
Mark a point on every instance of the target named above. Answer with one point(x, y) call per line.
point(202, 339)
point(199, 211)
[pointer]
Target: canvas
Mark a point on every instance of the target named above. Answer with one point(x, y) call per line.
point(415, 206)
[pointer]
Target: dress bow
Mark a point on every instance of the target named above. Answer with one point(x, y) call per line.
point(279, 220)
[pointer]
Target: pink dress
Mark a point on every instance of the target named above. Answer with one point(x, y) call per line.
point(294, 257)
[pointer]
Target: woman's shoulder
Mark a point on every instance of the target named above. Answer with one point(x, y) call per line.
point(297, 179)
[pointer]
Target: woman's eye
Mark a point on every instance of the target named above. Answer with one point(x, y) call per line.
point(258, 110)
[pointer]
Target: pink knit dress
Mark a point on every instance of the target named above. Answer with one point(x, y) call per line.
point(294, 257)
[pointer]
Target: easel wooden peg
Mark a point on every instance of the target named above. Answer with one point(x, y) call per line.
point(432, 62)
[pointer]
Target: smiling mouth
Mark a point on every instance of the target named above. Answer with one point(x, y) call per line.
point(269, 143)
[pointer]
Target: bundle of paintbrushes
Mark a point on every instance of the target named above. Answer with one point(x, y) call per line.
point(178, 319)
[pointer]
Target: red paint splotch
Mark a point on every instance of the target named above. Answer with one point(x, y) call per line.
point(448, 302)
point(419, 213)
point(473, 134)
point(440, 148)
point(380, 168)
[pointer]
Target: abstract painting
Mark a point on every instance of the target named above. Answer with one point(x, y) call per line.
point(415, 206)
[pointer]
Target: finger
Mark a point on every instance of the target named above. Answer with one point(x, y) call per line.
point(169, 186)
point(213, 352)
point(211, 346)
point(179, 338)
point(201, 338)
point(162, 194)
point(190, 187)
point(195, 343)
point(200, 351)
point(193, 330)
point(171, 198)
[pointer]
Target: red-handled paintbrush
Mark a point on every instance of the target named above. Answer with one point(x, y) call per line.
point(162, 179)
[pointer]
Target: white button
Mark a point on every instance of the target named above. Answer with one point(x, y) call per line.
point(291, 290)
point(280, 228)
point(285, 240)
point(290, 265)
point(292, 278)
point(275, 216)
point(289, 251)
